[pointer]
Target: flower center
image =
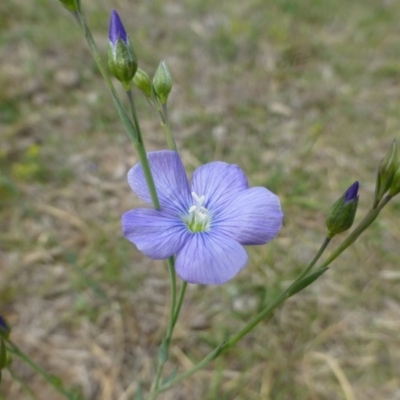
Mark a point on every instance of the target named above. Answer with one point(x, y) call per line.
point(199, 218)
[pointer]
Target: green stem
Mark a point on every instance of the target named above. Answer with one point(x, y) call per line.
point(180, 301)
point(141, 150)
point(315, 259)
point(251, 325)
point(172, 276)
point(167, 128)
point(278, 301)
point(164, 347)
point(14, 349)
point(154, 392)
point(175, 307)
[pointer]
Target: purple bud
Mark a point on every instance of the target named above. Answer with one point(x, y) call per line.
point(117, 30)
point(351, 192)
point(121, 56)
point(342, 213)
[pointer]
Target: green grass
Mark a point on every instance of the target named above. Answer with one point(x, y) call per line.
point(304, 96)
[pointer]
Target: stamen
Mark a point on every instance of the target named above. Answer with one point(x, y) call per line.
point(198, 219)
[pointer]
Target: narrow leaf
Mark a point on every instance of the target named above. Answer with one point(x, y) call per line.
point(303, 283)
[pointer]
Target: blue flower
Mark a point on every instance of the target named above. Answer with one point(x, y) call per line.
point(205, 224)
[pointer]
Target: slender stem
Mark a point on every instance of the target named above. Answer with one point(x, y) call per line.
point(14, 349)
point(175, 307)
point(164, 347)
point(220, 349)
point(251, 325)
point(156, 381)
point(278, 300)
point(167, 128)
point(315, 259)
point(180, 301)
point(134, 116)
point(172, 277)
point(141, 150)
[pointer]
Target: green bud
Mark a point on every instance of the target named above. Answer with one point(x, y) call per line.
point(341, 216)
point(142, 81)
point(70, 5)
point(395, 186)
point(5, 329)
point(3, 354)
point(162, 82)
point(121, 57)
point(386, 170)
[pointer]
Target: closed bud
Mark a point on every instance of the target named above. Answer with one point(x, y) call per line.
point(162, 82)
point(142, 81)
point(4, 329)
point(121, 57)
point(70, 5)
point(341, 216)
point(395, 186)
point(3, 354)
point(386, 171)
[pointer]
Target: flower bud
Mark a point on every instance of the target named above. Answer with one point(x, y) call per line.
point(70, 5)
point(142, 81)
point(121, 57)
point(387, 168)
point(3, 354)
point(341, 216)
point(4, 328)
point(395, 186)
point(162, 82)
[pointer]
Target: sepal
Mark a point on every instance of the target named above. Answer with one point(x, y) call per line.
point(162, 82)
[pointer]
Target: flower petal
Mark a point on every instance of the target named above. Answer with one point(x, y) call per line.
point(169, 178)
point(219, 182)
point(210, 259)
point(155, 233)
point(253, 217)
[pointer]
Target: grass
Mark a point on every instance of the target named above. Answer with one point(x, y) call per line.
point(304, 96)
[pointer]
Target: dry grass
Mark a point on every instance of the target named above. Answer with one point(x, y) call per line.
point(303, 95)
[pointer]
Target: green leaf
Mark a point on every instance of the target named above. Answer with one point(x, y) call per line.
point(303, 283)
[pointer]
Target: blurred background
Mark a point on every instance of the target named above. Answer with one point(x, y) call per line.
point(303, 95)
